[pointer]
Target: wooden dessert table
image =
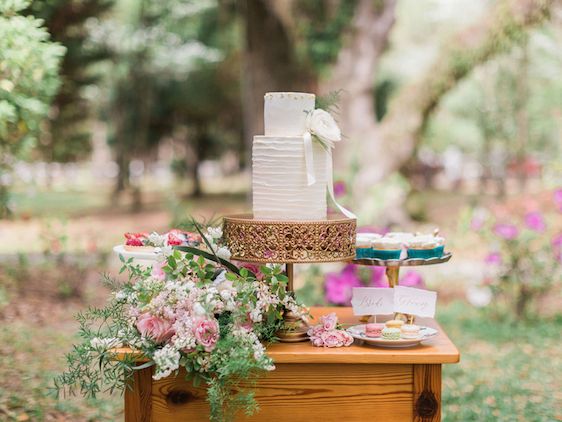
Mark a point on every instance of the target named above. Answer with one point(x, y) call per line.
point(356, 383)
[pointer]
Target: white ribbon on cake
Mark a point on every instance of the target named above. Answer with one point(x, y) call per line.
point(324, 128)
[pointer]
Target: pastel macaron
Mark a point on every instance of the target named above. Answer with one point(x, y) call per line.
point(410, 331)
point(391, 333)
point(374, 329)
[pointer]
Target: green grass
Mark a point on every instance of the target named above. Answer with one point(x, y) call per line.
point(507, 372)
point(31, 356)
point(39, 203)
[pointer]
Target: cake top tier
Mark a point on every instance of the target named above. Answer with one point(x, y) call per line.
point(285, 113)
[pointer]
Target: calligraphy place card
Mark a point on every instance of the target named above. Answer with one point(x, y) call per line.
point(414, 301)
point(372, 301)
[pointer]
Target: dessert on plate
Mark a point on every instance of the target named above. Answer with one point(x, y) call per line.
point(374, 329)
point(386, 248)
point(410, 331)
point(425, 246)
point(394, 323)
point(389, 333)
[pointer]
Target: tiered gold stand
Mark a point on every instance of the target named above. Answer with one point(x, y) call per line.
point(290, 242)
point(393, 273)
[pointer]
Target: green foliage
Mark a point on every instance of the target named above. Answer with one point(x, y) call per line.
point(322, 25)
point(67, 136)
point(28, 81)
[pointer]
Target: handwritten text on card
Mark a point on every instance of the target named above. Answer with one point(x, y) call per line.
point(372, 301)
point(415, 301)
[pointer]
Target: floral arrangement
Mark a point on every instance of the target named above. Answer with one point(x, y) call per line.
point(329, 333)
point(524, 260)
point(193, 311)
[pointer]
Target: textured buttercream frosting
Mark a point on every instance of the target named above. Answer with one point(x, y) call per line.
point(279, 182)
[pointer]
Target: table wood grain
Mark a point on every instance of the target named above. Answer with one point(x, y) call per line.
point(356, 383)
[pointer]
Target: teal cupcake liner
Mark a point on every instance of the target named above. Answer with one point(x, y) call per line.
point(362, 253)
point(386, 253)
point(426, 253)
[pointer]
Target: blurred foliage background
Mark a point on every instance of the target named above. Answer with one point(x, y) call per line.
point(131, 115)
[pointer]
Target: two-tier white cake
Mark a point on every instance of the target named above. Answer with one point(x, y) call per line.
point(279, 173)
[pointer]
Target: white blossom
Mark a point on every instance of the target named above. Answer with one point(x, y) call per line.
point(223, 252)
point(167, 360)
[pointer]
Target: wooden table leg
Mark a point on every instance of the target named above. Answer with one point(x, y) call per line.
point(427, 393)
point(138, 400)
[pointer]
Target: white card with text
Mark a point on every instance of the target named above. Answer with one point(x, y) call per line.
point(372, 301)
point(415, 301)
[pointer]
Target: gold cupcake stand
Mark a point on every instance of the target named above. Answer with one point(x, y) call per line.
point(297, 242)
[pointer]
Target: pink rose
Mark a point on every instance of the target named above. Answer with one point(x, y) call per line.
point(206, 333)
point(329, 321)
point(315, 330)
point(332, 338)
point(158, 329)
point(317, 341)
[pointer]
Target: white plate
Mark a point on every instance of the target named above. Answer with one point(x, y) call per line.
point(142, 255)
point(358, 332)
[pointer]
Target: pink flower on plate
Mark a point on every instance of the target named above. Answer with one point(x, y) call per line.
point(157, 271)
point(158, 329)
point(206, 332)
point(329, 322)
point(506, 231)
point(535, 221)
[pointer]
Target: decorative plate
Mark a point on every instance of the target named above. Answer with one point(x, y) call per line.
point(358, 332)
point(143, 255)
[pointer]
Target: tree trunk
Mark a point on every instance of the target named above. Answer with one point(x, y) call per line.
point(394, 141)
point(270, 62)
point(355, 70)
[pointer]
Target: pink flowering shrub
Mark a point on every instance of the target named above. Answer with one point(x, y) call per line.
point(524, 260)
point(328, 333)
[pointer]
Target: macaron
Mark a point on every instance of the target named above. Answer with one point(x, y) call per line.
point(410, 331)
point(391, 333)
point(374, 329)
point(394, 323)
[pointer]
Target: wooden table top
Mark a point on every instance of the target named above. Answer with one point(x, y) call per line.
point(439, 349)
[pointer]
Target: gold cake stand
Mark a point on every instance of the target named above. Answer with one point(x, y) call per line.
point(290, 242)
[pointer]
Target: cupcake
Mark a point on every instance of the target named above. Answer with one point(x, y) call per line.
point(394, 323)
point(374, 329)
point(386, 248)
point(425, 246)
point(363, 247)
point(391, 333)
point(402, 236)
point(410, 331)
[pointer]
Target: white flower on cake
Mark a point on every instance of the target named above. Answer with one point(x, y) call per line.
point(322, 125)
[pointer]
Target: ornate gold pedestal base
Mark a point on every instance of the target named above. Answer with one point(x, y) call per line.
point(294, 329)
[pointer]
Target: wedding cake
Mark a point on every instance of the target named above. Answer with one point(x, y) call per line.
point(280, 180)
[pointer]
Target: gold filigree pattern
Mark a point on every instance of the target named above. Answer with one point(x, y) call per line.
point(290, 241)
